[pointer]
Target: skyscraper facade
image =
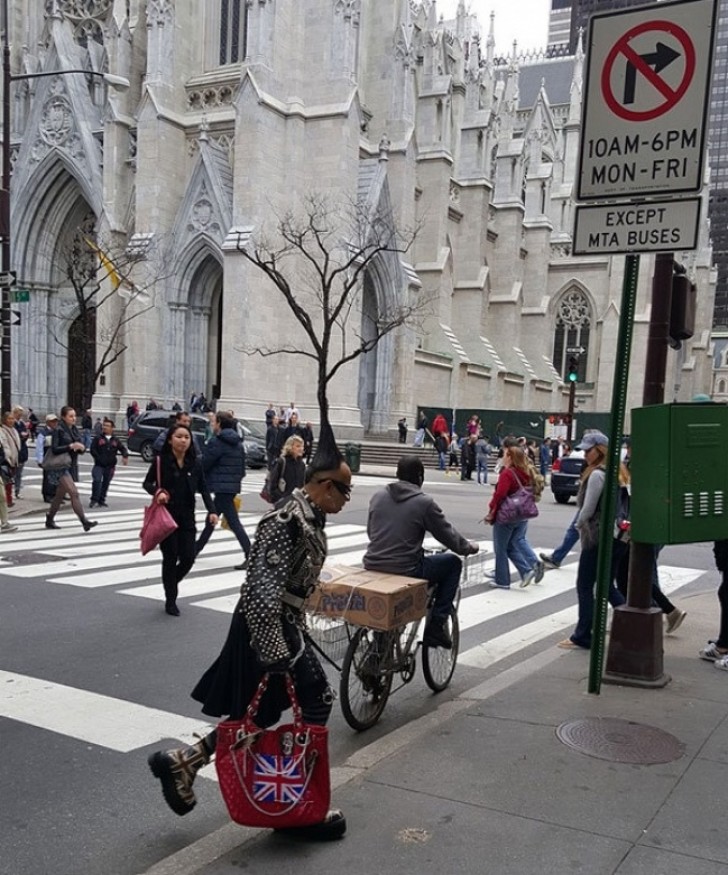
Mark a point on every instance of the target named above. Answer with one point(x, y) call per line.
point(582, 10)
point(718, 144)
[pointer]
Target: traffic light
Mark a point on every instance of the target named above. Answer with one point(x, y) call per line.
point(682, 308)
point(572, 374)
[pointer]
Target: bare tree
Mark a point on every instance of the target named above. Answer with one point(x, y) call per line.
point(317, 259)
point(106, 302)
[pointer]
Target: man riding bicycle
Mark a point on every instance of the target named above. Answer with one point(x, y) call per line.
point(400, 515)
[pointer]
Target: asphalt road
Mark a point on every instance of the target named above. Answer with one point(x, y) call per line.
point(94, 675)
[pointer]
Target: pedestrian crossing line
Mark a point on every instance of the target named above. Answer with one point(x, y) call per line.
point(487, 653)
point(133, 567)
point(191, 587)
point(115, 724)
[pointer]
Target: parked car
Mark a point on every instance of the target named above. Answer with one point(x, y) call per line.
point(566, 476)
point(150, 423)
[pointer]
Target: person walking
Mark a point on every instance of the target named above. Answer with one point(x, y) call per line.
point(5, 526)
point(24, 433)
point(105, 450)
point(267, 632)
point(588, 522)
point(223, 464)
point(453, 461)
point(467, 457)
point(422, 423)
point(402, 430)
point(132, 411)
point(307, 436)
point(716, 651)
point(180, 477)
point(442, 445)
point(289, 471)
point(66, 439)
point(510, 538)
point(273, 441)
point(42, 445)
point(482, 455)
point(87, 429)
point(10, 441)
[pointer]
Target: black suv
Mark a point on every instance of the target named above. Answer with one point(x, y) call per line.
point(566, 475)
point(147, 426)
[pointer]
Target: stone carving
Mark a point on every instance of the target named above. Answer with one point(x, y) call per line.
point(160, 12)
point(210, 97)
point(202, 217)
point(574, 310)
point(56, 122)
point(454, 193)
point(78, 9)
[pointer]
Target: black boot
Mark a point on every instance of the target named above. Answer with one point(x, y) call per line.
point(333, 826)
point(50, 524)
point(436, 634)
point(176, 769)
point(88, 524)
point(170, 606)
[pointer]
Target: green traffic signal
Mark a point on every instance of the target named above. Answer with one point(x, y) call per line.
point(573, 376)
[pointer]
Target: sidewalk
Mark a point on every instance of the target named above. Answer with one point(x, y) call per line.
point(484, 785)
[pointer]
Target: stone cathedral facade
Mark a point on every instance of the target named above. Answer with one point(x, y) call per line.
point(236, 110)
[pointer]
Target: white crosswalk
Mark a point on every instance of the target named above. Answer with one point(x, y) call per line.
point(108, 560)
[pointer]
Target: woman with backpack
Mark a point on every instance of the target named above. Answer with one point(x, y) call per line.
point(588, 522)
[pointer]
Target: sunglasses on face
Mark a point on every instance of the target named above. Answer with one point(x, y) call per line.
point(343, 488)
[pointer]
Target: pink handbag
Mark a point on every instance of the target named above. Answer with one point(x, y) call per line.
point(158, 521)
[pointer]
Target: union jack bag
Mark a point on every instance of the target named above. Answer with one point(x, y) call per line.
point(274, 778)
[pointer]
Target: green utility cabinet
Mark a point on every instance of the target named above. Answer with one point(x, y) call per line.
point(679, 467)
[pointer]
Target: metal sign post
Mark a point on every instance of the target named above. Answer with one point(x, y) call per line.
point(616, 425)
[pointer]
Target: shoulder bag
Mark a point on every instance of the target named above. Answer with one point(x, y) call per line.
point(274, 778)
point(158, 521)
point(519, 505)
point(266, 493)
point(55, 461)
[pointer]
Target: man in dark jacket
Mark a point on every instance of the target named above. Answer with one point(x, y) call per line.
point(223, 461)
point(105, 450)
point(294, 427)
point(273, 441)
point(400, 515)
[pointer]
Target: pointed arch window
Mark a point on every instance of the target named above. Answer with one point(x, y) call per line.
point(233, 19)
point(573, 331)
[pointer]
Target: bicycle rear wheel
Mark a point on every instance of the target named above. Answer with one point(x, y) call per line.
point(438, 664)
point(365, 681)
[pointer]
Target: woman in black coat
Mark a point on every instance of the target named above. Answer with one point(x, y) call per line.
point(180, 478)
point(66, 438)
point(288, 472)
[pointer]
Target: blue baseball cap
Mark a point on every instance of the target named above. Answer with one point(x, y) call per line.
point(592, 439)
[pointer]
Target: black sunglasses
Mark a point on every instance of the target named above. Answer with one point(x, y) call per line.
point(342, 488)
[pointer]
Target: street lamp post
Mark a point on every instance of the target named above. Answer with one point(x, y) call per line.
point(118, 83)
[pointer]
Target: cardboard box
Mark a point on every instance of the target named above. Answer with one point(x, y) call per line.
point(368, 598)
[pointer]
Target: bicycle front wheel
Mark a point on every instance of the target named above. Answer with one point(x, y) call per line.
point(438, 664)
point(365, 681)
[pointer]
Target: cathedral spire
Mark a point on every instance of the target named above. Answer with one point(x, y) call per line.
point(490, 42)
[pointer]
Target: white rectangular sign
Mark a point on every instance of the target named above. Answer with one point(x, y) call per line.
point(646, 101)
point(654, 226)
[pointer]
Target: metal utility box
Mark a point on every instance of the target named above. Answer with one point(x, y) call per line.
point(679, 467)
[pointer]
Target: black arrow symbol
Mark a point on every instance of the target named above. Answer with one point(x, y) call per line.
point(662, 57)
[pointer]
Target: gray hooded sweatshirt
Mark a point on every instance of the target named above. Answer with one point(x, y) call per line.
point(400, 515)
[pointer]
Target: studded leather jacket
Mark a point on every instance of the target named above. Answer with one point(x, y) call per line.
point(284, 567)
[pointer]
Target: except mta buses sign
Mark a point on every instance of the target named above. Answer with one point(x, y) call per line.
point(646, 101)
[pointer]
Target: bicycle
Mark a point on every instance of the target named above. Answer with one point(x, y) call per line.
point(373, 658)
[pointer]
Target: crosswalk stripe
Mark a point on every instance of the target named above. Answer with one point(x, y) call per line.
point(489, 652)
point(112, 723)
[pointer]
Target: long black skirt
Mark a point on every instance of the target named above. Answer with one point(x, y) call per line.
point(227, 687)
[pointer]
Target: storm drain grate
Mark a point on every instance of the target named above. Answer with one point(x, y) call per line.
point(620, 741)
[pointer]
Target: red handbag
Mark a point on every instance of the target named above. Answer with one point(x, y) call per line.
point(158, 521)
point(274, 778)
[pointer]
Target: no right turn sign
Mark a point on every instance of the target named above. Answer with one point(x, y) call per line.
point(646, 101)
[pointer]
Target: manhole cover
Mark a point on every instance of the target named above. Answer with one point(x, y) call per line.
point(620, 741)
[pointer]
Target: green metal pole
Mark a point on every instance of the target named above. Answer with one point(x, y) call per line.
point(616, 425)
